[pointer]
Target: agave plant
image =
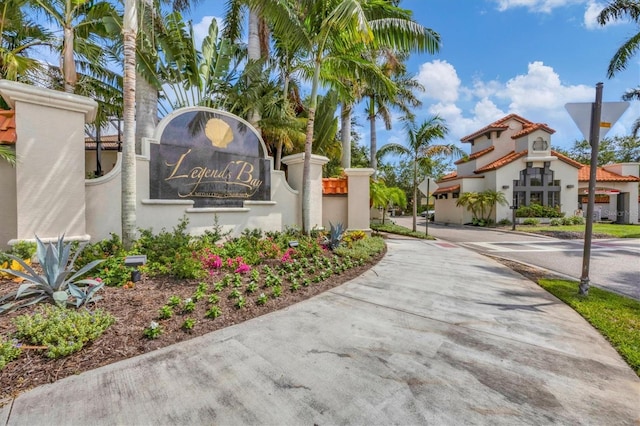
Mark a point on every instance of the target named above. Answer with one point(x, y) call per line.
point(335, 235)
point(59, 282)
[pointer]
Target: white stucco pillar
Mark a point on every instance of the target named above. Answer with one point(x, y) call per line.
point(50, 172)
point(358, 217)
point(295, 165)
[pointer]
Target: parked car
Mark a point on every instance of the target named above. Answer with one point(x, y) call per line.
point(430, 213)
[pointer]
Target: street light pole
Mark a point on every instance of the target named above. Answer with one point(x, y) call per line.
point(594, 140)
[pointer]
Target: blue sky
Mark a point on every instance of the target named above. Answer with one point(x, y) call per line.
point(528, 57)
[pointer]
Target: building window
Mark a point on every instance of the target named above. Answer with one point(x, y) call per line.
point(537, 186)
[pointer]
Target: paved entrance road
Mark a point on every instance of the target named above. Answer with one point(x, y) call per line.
point(614, 265)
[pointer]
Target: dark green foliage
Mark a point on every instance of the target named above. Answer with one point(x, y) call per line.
point(536, 210)
point(170, 253)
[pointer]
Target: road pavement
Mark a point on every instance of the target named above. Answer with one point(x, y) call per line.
point(614, 263)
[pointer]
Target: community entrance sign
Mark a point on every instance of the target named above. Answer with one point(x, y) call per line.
point(211, 157)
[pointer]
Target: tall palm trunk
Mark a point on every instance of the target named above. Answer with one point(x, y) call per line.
point(373, 162)
point(254, 54)
point(68, 62)
point(130, 30)
point(146, 102)
point(306, 166)
point(345, 134)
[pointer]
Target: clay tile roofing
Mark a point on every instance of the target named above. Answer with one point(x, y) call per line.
point(449, 176)
point(108, 142)
point(333, 186)
point(566, 159)
point(475, 155)
point(530, 128)
point(503, 161)
point(498, 125)
point(446, 190)
point(603, 175)
point(7, 127)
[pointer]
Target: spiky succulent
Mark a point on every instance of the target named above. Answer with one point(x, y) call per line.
point(58, 283)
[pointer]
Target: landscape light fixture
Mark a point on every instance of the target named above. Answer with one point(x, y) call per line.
point(133, 262)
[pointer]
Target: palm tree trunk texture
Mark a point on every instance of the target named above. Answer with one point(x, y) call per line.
point(128, 147)
point(146, 102)
point(254, 54)
point(373, 163)
point(345, 134)
point(306, 166)
point(146, 111)
point(68, 62)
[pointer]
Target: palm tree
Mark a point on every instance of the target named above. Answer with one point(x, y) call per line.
point(383, 196)
point(328, 31)
point(18, 35)
point(420, 149)
point(491, 198)
point(379, 103)
point(84, 29)
point(616, 10)
point(470, 201)
point(478, 202)
point(130, 29)
point(151, 24)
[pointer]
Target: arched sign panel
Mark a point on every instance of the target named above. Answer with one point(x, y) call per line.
point(211, 157)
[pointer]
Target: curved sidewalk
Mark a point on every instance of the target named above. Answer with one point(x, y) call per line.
point(433, 334)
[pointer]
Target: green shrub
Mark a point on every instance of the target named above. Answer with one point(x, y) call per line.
point(577, 220)
point(504, 222)
point(556, 222)
point(101, 250)
point(23, 249)
point(536, 210)
point(170, 253)
point(63, 331)
point(113, 272)
point(8, 352)
point(531, 221)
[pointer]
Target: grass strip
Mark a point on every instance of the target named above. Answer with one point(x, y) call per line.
point(400, 230)
point(616, 317)
point(611, 229)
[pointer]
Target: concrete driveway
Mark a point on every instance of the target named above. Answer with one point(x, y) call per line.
point(434, 334)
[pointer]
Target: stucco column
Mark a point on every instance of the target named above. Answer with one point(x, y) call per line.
point(50, 172)
point(358, 217)
point(295, 165)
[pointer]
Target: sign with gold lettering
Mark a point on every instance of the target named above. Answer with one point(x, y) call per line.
point(211, 157)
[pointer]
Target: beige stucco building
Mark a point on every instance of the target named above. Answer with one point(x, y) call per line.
point(513, 155)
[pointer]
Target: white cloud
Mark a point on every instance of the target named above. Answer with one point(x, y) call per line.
point(440, 81)
point(201, 29)
point(591, 14)
point(542, 6)
point(541, 90)
point(538, 95)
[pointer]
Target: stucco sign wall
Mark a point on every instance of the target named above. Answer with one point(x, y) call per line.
point(211, 157)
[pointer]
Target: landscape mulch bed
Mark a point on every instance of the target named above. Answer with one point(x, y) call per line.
point(134, 309)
